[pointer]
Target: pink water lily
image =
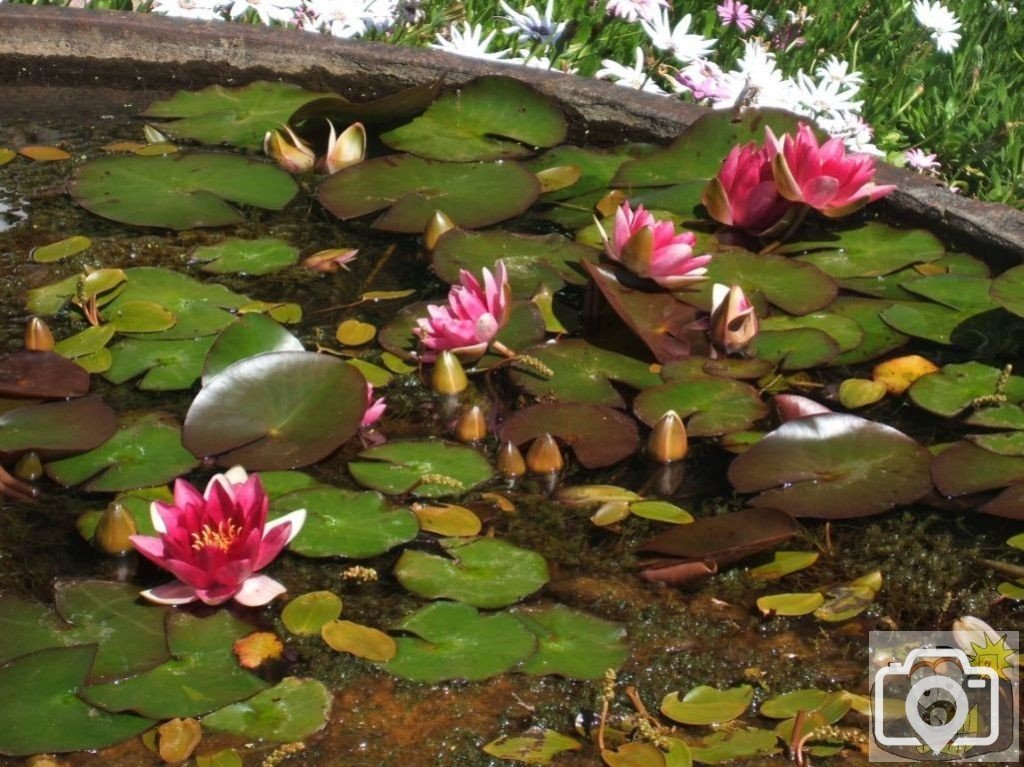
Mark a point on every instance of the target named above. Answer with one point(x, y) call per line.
point(744, 193)
point(374, 408)
point(823, 177)
point(216, 542)
point(652, 248)
point(733, 324)
point(472, 318)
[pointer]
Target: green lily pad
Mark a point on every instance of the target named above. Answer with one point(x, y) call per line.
point(139, 317)
point(183, 190)
point(954, 388)
point(198, 308)
point(794, 287)
point(598, 435)
point(1008, 443)
point(795, 349)
point(277, 410)
point(597, 167)
point(660, 511)
point(400, 105)
point(998, 417)
point(489, 118)
point(535, 746)
point(710, 405)
point(88, 341)
point(845, 602)
point(956, 299)
point(706, 705)
point(870, 250)
point(890, 286)
point(412, 189)
point(879, 337)
point(252, 334)
point(58, 251)
point(583, 373)
point(791, 605)
point(833, 466)
point(135, 502)
point(168, 365)
point(454, 641)
point(255, 257)
point(792, 703)
point(308, 613)
point(571, 643)
point(429, 468)
point(1008, 290)
point(483, 572)
point(783, 563)
point(202, 675)
point(49, 717)
point(72, 425)
point(698, 153)
point(237, 116)
point(290, 711)
point(142, 453)
point(635, 754)
point(345, 523)
point(680, 199)
point(846, 333)
point(734, 744)
point(531, 260)
point(127, 637)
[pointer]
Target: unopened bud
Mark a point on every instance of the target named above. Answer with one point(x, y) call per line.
point(113, 531)
point(472, 425)
point(668, 442)
point(510, 461)
point(29, 467)
point(544, 457)
point(438, 224)
point(448, 375)
point(38, 337)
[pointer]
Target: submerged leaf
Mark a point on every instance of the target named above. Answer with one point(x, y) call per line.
point(534, 746)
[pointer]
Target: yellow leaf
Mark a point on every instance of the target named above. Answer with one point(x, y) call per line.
point(6, 155)
point(122, 146)
point(447, 519)
point(361, 641)
point(355, 333)
point(44, 153)
point(386, 295)
point(151, 150)
point(257, 648)
point(178, 738)
point(860, 392)
point(898, 374)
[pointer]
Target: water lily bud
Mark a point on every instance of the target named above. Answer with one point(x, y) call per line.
point(733, 323)
point(113, 531)
point(438, 224)
point(290, 152)
point(29, 467)
point(472, 425)
point(448, 375)
point(510, 461)
point(668, 442)
point(346, 149)
point(544, 457)
point(38, 337)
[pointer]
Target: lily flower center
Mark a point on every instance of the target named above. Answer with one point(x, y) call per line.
point(220, 538)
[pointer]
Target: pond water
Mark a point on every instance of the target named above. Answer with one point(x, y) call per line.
point(709, 632)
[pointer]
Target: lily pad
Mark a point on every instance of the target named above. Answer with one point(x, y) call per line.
point(706, 705)
point(956, 299)
point(710, 405)
point(783, 563)
point(794, 287)
point(571, 643)
point(252, 334)
point(142, 453)
point(531, 260)
point(400, 105)
point(792, 703)
point(72, 425)
point(795, 349)
point(583, 373)
point(289, 711)
point(489, 118)
point(454, 641)
point(362, 641)
point(535, 746)
point(58, 251)
point(429, 468)
point(278, 410)
point(1008, 290)
point(308, 613)
point(179, 191)
point(965, 468)
point(596, 166)
point(255, 257)
point(202, 675)
point(168, 365)
point(953, 389)
point(412, 189)
point(890, 286)
point(870, 250)
point(237, 116)
point(49, 717)
point(737, 744)
point(483, 572)
point(833, 466)
point(879, 336)
point(598, 435)
point(345, 523)
point(791, 605)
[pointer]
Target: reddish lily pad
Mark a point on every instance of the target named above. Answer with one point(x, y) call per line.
point(711, 405)
point(598, 435)
point(489, 118)
point(430, 468)
point(833, 466)
point(183, 190)
point(413, 189)
point(531, 260)
point(571, 643)
point(965, 468)
point(41, 375)
point(74, 425)
point(583, 373)
point(278, 410)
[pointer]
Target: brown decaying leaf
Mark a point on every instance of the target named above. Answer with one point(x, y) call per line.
point(257, 648)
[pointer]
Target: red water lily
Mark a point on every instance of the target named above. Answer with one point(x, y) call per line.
point(216, 542)
point(652, 248)
point(744, 193)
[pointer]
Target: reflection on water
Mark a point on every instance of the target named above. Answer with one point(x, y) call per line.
point(12, 211)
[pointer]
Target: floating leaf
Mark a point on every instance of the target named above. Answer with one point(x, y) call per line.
point(535, 746)
point(168, 365)
point(252, 334)
point(660, 511)
point(44, 153)
point(142, 453)
point(345, 523)
point(355, 333)
point(794, 287)
point(954, 388)
point(44, 375)
point(792, 703)
point(964, 468)
point(257, 648)
point(844, 603)
point(734, 744)
point(361, 641)
point(454, 641)
point(289, 711)
point(58, 251)
point(88, 341)
point(179, 191)
point(395, 106)
point(178, 738)
point(307, 614)
point(489, 118)
point(869, 250)
point(255, 257)
point(879, 337)
point(427, 468)
point(483, 572)
point(790, 604)
point(898, 374)
point(860, 392)
point(635, 754)
point(571, 643)
point(471, 194)
point(710, 405)
point(447, 520)
point(277, 410)
point(833, 466)
point(598, 435)
point(958, 298)
point(783, 563)
point(1008, 290)
point(237, 116)
point(73, 425)
point(531, 260)
point(706, 705)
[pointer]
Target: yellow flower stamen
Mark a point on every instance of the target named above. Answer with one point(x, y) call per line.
point(221, 538)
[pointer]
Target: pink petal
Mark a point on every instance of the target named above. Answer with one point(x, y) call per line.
point(295, 518)
point(819, 192)
point(173, 593)
point(259, 590)
point(151, 548)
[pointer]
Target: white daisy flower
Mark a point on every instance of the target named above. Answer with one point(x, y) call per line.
point(677, 41)
point(941, 22)
point(468, 42)
point(205, 10)
point(837, 70)
point(531, 27)
point(282, 11)
point(636, 77)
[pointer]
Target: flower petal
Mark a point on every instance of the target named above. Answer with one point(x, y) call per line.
point(259, 590)
point(173, 593)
